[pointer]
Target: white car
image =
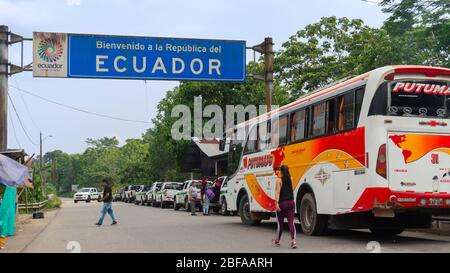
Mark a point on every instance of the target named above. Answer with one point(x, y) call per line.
point(130, 194)
point(166, 195)
point(225, 198)
point(151, 194)
point(87, 194)
point(182, 198)
point(141, 195)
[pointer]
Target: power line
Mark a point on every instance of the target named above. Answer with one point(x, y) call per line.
point(20, 121)
point(79, 109)
point(26, 107)
point(14, 128)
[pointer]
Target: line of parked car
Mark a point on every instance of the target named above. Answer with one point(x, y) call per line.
point(175, 194)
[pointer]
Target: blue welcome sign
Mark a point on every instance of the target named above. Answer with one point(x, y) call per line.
point(142, 58)
point(147, 58)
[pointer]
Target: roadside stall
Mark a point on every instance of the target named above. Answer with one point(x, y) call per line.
point(12, 174)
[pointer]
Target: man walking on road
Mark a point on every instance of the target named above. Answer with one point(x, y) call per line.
point(107, 203)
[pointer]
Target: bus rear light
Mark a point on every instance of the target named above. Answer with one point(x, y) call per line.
point(393, 199)
point(381, 161)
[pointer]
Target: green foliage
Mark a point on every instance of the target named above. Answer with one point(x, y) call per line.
point(422, 28)
point(329, 50)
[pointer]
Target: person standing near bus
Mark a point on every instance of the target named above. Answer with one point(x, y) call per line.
point(193, 198)
point(206, 199)
point(285, 205)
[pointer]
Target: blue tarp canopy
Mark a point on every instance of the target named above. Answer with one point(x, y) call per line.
point(12, 174)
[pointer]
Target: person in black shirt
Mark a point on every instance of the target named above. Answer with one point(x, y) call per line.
point(284, 197)
point(107, 203)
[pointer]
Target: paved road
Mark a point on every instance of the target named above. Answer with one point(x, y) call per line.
point(147, 229)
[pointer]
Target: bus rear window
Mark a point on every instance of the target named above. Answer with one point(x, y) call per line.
point(418, 98)
point(410, 98)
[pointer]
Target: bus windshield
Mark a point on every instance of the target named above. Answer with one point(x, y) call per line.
point(419, 98)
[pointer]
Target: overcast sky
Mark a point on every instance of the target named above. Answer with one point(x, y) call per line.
point(249, 20)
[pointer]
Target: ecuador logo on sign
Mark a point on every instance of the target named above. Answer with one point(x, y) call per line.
point(143, 58)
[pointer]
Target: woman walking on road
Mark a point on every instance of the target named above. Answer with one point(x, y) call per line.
point(284, 197)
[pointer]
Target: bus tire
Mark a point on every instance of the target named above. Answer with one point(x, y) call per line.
point(312, 224)
point(386, 232)
point(244, 212)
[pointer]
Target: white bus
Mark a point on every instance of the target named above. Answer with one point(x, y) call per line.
point(369, 152)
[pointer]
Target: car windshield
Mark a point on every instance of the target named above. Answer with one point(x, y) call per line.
point(146, 188)
point(85, 190)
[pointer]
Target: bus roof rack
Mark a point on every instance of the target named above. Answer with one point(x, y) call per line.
point(326, 87)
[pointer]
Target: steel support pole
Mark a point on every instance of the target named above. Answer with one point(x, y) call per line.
point(4, 63)
point(268, 71)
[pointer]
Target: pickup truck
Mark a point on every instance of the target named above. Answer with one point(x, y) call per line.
point(182, 198)
point(166, 195)
point(130, 194)
point(141, 195)
point(225, 199)
point(151, 194)
point(118, 196)
point(87, 194)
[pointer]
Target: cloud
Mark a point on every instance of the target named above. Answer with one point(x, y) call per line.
point(73, 2)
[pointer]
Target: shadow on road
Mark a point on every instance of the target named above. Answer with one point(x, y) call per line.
point(361, 235)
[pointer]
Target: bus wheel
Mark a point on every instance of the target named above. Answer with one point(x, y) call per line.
point(244, 212)
point(386, 232)
point(312, 224)
point(223, 208)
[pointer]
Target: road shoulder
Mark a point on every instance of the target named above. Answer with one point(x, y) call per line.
point(26, 231)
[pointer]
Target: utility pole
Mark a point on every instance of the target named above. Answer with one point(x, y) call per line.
point(266, 49)
point(4, 73)
point(40, 157)
point(54, 178)
point(268, 71)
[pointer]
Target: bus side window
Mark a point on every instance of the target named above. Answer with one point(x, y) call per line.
point(252, 142)
point(346, 111)
point(298, 125)
point(319, 119)
point(279, 131)
point(264, 139)
point(359, 96)
point(331, 116)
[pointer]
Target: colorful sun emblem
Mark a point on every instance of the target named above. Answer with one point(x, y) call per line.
point(50, 50)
